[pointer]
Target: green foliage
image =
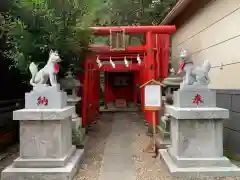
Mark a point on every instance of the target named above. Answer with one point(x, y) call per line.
point(33, 27)
point(159, 9)
point(77, 136)
point(136, 12)
point(2, 24)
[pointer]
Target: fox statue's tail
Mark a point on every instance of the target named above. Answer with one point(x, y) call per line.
point(206, 68)
point(34, 70)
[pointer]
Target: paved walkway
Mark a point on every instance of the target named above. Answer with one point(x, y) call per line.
point(117, 160)
point(115, 152)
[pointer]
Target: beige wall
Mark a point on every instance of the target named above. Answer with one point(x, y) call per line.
point(213, 34)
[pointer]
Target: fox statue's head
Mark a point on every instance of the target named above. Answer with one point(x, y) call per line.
point(183, 59)
point(54, 57)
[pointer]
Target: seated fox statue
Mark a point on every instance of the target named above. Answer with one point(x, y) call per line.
point(49, 71)
point(194, 74)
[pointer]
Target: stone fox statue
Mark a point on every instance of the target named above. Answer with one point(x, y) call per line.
point(198, 75)
point(49, 71)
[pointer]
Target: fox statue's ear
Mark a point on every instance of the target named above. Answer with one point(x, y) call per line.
point(51, 51)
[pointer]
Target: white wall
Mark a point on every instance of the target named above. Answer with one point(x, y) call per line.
point(213, 34)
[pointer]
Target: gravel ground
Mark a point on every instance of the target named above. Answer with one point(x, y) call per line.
point(147, 168)
point(7, 157)
point(90, 169)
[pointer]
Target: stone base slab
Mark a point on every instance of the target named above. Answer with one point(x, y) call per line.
point(43, 114)
point(198, 171)
point(64, 173)
point(184, 162)
point(197, 113)
point(44, 163)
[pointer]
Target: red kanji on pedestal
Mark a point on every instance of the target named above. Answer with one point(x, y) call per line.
point(43, 101)
point(197, 99)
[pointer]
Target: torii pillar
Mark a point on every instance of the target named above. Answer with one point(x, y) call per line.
point(150, 74)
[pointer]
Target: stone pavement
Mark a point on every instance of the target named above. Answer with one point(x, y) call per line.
point(117, 160)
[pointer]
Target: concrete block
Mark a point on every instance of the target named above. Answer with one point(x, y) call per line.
point(196, 139)
point(197, 113)
point(51, 97)
point(185, 98)
point(45, 139)
point(200, 171)
point(191, 162)
point(44, 162)
point(43, 114)
point(58, 173)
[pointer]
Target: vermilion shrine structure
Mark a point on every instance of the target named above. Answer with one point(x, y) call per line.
point(146, 61)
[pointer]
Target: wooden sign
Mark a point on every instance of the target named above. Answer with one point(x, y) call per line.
point(152, 95)
point(152, 102)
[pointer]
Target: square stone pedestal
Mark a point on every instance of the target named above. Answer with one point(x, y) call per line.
point(197, 140)
point(76, 120)
point(164, 132)
point(46, 151)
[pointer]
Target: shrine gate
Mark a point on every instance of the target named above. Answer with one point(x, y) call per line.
point(139, 64)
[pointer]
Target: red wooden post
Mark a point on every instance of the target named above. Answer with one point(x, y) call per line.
point(149, 68)
point(89, 97)
point(143, 77)
point(93, 87)
point(85, 93)
point(98, 92)
point(135, 87)
point(156, 63)
point(106, 93)
point(165, 57)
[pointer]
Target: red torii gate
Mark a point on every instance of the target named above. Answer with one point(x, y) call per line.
point(154, 54)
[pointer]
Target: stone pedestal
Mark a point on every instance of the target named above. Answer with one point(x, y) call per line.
point(196, 135)
point(164, 131)
point(69, 83)
point(78, 132)
point(46, 150)
point(76, 120)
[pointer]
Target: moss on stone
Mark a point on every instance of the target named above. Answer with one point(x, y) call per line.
point(231, 156)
